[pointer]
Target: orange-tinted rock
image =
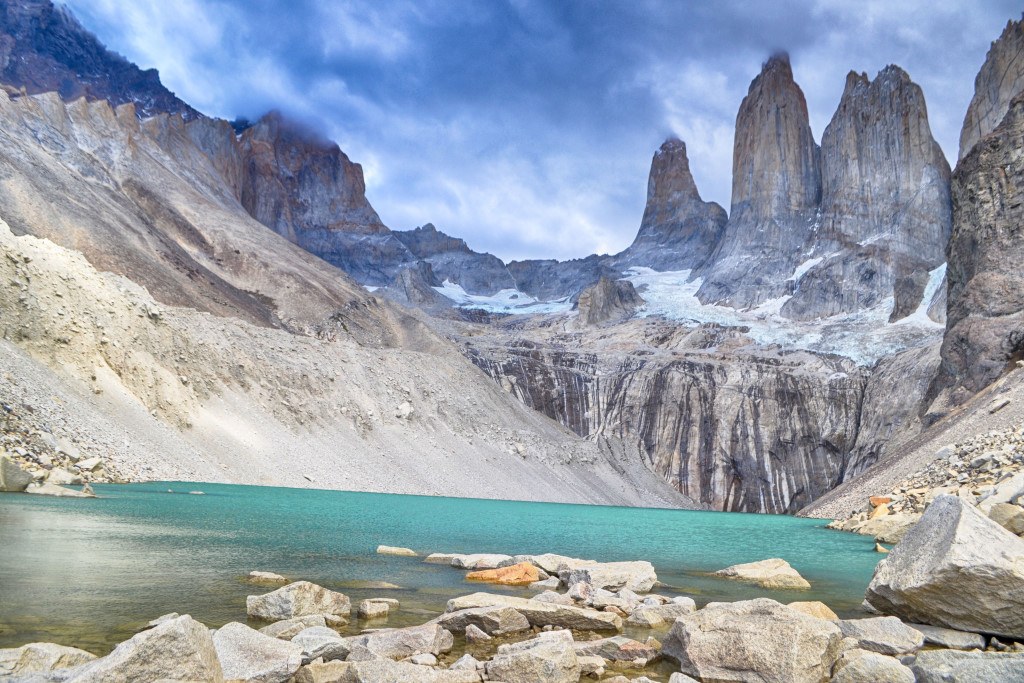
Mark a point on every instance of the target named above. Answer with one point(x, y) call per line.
point(521, 574)
point(879, 500)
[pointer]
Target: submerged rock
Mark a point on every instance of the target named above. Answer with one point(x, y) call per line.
point(773, 573)
point(295, 600)
point(754, 640)
point(266, 577)
point(956, 568)
point(394, 550)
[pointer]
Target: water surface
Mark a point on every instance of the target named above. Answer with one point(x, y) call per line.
point(89, 572)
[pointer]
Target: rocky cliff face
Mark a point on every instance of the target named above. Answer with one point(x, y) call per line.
point(608, 301)
point(44, 49)
point(1000, 79)
point(743, 430)
point(307, 190)
point(679, 230)
point(985, 309)
point(776, 190)
point(885, 208)
point(451, 259)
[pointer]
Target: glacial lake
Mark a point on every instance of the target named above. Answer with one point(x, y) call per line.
point(90, 572)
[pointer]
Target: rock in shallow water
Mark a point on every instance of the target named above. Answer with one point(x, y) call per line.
point(522, 574)
point(295, 600)
point(542, 613)
point(548, 658)
point(637, 576)
point(956, 568)
point(753, 640)
point(773, 573)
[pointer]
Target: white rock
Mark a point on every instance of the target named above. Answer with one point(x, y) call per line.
point(248, 655)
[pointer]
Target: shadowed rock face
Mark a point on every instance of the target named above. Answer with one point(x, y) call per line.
point(453, 260)
point(679, 230)
point(307, 190)
point(985, 312)
point(609, 300)
point(1000, 79)
point(44, 49)
point(885, 208)
point(776, 189)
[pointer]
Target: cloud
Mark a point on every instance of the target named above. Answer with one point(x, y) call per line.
point(527, 127)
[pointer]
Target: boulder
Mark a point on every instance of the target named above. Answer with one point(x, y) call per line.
point(394, 550)
point(889, 529)
point(552, 596)
point(61, 477)
point(1008, 516)
point(652, 616)
point(522, 574)
point(542, 613)
point(551, 563)
point(493, 621)
point(872, 667)
point(944, 666)
point(248, 655)
point(381, 671)
point(400, 643)
point(369, 609)
point(957, 569)
point(466, 663)
point(637, 576)
point(296, 600)
point(90, 464)
point(548, 658)
point(40, 658)
point(479, 561)
point(681, 678)
point(773, 573)
point(181, 649)
point(753, 640)
point(884, 635)
point(48, 489)
point(266, 577)
point(619, 649)
point(476, 635)
point(13, 479)
point(441, 558)
point(286, 629)
point(814, 609)
point(950, 638)
point(1004, 492)
point(552, 582)
point(320, 642)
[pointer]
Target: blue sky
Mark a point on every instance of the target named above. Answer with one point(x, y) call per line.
point(526, 127)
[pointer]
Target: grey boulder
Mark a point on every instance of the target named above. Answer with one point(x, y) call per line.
point(884, 635)
point(177, 650)
point(871, 667)
point(245, 654)
point(638, 576)
point(286, 629)
point(298, 599)
point(950, 638)
point(957, 569)
point(542, 613)
point(759, 640)
point(494, 621)
point(400, 643)
point(13, 479)
point(954, 666)
point(652, 616)
point(320, 642)
point(548, 658)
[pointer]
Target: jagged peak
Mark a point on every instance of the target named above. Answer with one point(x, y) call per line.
point(672, 144)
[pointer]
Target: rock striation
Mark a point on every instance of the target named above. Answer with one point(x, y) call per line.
point(452, 259)
point(608, 301)
point(679, 230)
point(1000, 79)
point(776, 190)
point(43, 48)
point(885, 205)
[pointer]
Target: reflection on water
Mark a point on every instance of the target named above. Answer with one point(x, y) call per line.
point(89, 573)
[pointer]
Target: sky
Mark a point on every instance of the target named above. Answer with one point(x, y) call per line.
point(527, 127)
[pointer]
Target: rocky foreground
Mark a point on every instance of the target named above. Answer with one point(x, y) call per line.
point(950, 598)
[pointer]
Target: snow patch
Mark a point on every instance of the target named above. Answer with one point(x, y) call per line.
point(505, 301)
point(865, 336)
point(920, 315)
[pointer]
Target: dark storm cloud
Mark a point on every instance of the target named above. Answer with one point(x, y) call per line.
point(527, 127)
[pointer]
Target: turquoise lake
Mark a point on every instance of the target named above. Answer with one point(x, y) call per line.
point(90, 572)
